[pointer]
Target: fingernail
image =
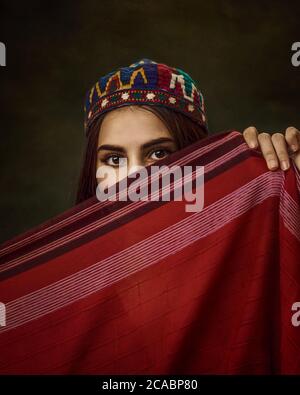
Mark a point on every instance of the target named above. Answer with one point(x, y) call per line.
point(252, 144)
point(285, 165)
point(273, 164)
point(294, 147)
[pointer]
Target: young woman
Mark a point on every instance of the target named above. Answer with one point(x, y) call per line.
point(146, 111)
point(145, 289)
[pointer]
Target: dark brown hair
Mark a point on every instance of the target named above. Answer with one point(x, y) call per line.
point(184, 131)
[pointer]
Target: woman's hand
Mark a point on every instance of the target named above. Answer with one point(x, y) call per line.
point(277, 148)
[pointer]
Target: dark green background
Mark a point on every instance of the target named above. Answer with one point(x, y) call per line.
point(239, 54)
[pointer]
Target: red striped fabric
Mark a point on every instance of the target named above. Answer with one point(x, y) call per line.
point(147, 288)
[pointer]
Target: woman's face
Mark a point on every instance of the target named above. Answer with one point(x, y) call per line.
point(134, 134)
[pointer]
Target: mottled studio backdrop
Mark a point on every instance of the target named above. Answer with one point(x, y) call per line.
point(238, 52)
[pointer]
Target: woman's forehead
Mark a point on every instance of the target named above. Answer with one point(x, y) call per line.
point(131, 125)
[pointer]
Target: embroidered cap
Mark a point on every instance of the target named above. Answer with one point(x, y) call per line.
point(145, 82)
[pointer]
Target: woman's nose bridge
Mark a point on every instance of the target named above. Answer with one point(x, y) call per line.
point(135, 162)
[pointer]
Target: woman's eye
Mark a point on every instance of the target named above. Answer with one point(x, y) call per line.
point(115, 160)
point(159, 154)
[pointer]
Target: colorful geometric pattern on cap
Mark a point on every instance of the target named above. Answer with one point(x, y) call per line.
point(145, 82)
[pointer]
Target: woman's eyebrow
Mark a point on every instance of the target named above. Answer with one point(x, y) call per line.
point(109, 147)
point(157, 141)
